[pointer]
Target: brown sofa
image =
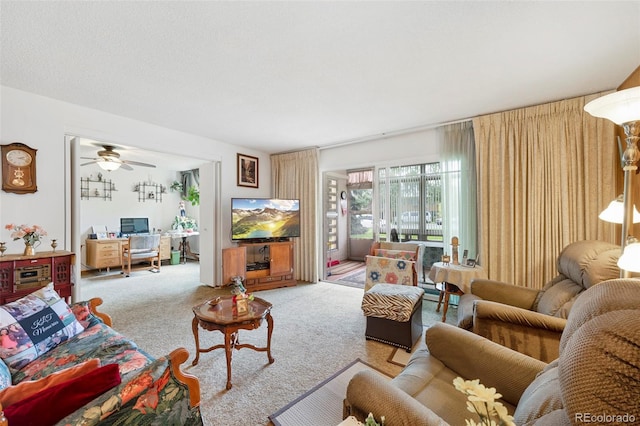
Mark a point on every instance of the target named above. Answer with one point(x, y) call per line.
point(597, 373)
point(530, 320)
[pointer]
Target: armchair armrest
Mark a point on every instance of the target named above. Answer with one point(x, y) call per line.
point(474, 357)
point(532, 333)
point(508, 294)
point(93, 305)
point(368, 392)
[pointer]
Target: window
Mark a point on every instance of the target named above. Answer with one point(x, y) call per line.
point(360, 189)
point(410, 201)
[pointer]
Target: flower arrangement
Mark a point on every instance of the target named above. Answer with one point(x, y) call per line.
point(184, 223)
point(30, 234)
point(482, 401)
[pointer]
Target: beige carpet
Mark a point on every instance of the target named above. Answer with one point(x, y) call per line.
point(318, 329)
point(318, 406)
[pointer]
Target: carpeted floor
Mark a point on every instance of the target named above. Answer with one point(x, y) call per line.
point(318, 329)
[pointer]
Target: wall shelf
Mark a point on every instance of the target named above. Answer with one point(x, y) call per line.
point(150, 191)
point(96, 188)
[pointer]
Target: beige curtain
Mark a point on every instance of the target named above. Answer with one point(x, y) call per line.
point(544, 174)
point(295, 175)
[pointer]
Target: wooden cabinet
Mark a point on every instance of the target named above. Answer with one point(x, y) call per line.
point(21, 275)
point(165, 247)
point(107, 253)
point(264, 265)
point(104, 253)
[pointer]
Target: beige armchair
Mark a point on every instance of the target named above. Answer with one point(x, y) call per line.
point(141, 247)
point(597, 373)
point(530, 320)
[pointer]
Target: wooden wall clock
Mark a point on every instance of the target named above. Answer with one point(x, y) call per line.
point(18, 168)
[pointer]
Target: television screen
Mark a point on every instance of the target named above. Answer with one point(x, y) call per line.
point(134, 225)
point(264, 218)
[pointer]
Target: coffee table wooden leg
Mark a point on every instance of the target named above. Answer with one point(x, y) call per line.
point(228, 352)
point(194, 327)
point(269, 333)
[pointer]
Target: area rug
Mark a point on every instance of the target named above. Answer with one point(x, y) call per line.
point(344, 267)
point(355, 279)
point(321, 405)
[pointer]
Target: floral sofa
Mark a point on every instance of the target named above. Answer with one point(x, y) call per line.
point(69, 366)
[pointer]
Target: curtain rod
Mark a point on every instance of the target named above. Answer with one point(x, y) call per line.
point(377, 136)
point(393, 133)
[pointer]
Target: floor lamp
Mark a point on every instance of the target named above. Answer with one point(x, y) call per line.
point(623, 108)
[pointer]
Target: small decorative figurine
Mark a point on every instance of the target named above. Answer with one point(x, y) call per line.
point(454, 250)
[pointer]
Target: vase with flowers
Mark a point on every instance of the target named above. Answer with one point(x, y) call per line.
point(31, 236)
point(484, 402)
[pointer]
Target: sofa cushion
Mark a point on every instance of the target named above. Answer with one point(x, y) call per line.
point(99, 341)
point(555, 300)
point(56, 402)
point(589, 262)
point(540, 398)
point(33, 325)
point(5, 376)
point(82, 312)
point(26, 388)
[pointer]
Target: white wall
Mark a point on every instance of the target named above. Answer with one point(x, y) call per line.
point(42, 124)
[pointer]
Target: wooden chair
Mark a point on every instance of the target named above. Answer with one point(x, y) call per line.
point(141, 247)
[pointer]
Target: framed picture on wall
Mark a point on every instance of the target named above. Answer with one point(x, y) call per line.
point(247, 171)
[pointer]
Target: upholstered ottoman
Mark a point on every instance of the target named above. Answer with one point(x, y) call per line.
point(394, 314)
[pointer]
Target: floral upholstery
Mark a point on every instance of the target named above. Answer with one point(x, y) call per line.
point(148, 394)
point(396, 254)
point(381, 270)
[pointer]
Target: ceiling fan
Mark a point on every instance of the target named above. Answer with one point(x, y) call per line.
point(108, 159)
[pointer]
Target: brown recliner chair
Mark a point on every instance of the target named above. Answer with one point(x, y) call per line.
point(596, 378)
point(529, 320)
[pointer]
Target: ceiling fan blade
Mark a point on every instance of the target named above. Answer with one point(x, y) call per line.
point(90, 162)
point(125, 167)
point(137, 163)
point(89, 158)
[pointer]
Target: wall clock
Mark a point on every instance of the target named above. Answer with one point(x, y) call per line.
point(343, 195)
point(18, 168)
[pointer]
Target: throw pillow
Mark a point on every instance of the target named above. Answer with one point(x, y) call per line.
point(5, 376)
point(49, 406)
point(25, 389)
point(33, 325)
point(84, 315)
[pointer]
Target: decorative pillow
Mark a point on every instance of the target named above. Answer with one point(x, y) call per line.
point(5, 376)
point(33, 325)
point(25, 389)
point(57, 402)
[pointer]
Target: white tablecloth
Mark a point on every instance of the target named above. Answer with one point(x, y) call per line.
point(458, 275)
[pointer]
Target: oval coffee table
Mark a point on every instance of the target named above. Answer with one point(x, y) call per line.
point(219, 314)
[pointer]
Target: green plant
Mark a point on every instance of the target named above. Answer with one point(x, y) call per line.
point(176, 186)
point(193, 196)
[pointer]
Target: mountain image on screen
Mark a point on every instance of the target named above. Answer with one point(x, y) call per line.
point(265, 218)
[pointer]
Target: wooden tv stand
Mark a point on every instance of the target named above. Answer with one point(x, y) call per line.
point(265, 265)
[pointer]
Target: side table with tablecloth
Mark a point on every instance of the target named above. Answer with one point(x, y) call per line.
point(455, 279)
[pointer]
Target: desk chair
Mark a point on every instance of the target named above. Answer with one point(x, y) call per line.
point(141, 247)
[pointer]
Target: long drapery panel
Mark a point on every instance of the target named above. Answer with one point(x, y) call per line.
point(544, 174)
point(459, 205)
point(295, 175)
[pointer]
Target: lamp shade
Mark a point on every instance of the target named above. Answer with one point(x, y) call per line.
point(620, 107)
point(109, 165)
point(630, 259)
point(614, 213)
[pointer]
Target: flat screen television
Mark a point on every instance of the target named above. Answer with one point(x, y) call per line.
point(134, 225)
point(268, 219)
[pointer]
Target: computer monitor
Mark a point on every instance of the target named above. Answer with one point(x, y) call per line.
point(134, 225)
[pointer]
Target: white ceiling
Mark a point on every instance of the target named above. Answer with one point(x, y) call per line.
point(280, 76)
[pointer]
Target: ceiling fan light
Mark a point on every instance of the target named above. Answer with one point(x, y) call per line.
point(109, 165)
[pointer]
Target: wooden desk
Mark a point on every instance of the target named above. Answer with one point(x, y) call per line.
point(107, 253)
point(455, 279)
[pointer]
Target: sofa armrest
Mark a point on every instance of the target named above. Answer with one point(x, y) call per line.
point(508, 294)
point(93, 305)
point(532, 333)
point(368, 392)
point(474, 357)
point(176, 358)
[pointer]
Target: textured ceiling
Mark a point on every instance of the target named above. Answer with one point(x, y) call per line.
point(279, 76)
